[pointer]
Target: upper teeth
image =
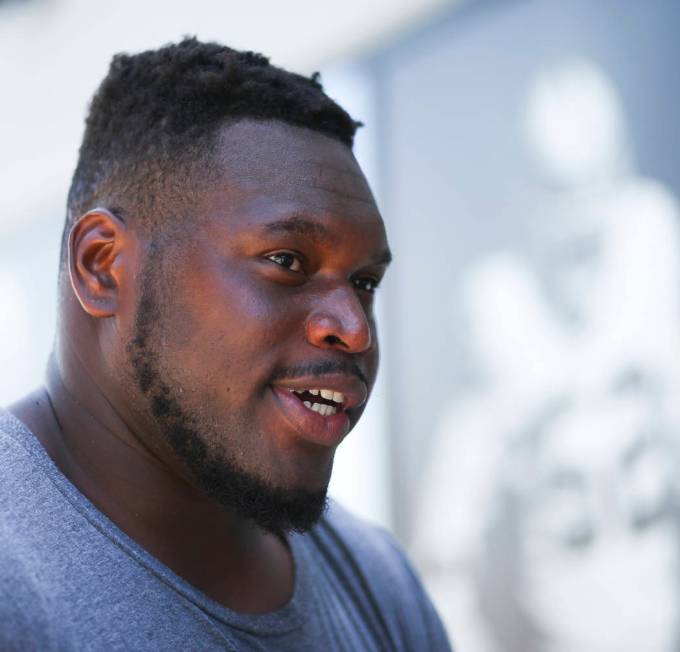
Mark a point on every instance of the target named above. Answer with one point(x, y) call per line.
point(328, 394)
point(322, 408)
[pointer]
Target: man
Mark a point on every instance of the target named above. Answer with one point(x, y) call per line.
point(166, 489)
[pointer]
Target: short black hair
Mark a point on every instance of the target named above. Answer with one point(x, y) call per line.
point(156, 113)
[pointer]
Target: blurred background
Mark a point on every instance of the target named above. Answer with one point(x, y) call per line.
point(523, 439)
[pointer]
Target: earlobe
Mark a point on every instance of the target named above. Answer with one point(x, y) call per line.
point(96, 243)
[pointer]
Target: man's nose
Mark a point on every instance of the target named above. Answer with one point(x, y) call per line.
point(339, 320)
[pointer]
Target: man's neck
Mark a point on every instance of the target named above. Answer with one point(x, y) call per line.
point(227, 557)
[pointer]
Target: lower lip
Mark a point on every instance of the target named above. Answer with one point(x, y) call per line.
point(309, 425)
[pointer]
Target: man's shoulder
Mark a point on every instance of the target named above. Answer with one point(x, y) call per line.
point(26, 500)
point(13, 431)
point(371, 563)
point(23, 604)
point(16, 460)
point(24, 466)
point(35, 515)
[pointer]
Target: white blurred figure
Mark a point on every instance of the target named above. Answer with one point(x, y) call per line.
point(597, 513)
point(549, 518)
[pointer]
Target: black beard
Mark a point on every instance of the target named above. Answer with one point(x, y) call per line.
point(273, 508)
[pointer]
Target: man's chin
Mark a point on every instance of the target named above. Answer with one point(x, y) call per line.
point(294, 514)
point(276, 509)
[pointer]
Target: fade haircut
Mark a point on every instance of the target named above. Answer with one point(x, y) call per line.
point(151, 128)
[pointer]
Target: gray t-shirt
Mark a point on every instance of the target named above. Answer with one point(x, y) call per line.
point(71, 580)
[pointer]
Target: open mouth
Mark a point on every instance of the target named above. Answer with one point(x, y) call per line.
point(323, 401)
point(319, 414)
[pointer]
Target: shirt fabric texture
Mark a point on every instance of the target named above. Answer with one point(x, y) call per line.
point(71, 580)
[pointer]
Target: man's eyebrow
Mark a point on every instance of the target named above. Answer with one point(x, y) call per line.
point(298, 225)
point(314, 230)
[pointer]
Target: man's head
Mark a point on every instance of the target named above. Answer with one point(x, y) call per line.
point(223, 246)
point(150, 131)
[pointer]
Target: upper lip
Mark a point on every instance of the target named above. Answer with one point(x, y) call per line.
point(353, 388)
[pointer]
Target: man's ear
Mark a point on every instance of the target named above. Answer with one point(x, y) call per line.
point(95, 245)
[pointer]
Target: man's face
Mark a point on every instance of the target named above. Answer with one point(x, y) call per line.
point(265, 288)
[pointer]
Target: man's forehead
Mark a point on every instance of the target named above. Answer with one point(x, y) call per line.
point(274, 156)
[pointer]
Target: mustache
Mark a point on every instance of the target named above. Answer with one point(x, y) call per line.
point(327, 367)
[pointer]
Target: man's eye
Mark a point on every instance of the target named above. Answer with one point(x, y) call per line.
point(288, 260)
point(366, 283)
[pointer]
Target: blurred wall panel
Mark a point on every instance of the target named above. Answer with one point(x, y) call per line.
point(531, 170)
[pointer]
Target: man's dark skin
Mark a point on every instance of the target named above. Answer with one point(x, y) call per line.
point(231, 315)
